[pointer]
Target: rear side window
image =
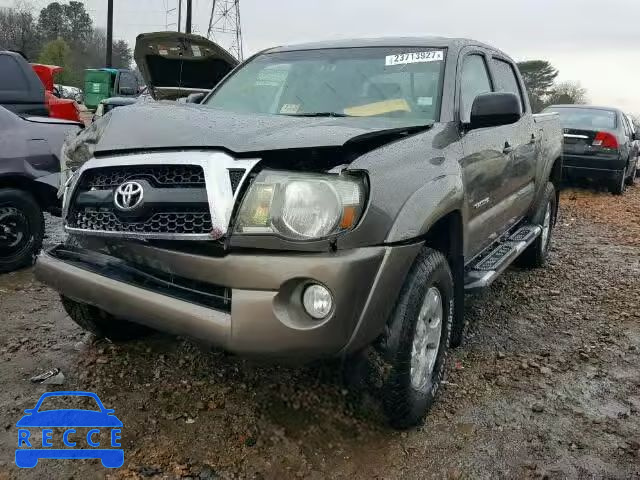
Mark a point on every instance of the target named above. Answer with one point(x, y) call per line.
point(506, 80)
point(12, 77)
point(584, 117)
point(127, 80)
point(474, 81)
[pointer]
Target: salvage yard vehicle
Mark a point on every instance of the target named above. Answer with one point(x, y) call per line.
point(108, 104)
point(21, 91)
point(101, 83)
point(599, 144)
point(29, 183)
point(322, 199)
point(176, 65)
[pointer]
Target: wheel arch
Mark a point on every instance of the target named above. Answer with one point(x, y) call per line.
point(45, 195)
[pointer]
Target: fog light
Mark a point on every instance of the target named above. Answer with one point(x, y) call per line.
point(317, 301)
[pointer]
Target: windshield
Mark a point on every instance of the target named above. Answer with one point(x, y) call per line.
point(587, 118)
point(356, 82)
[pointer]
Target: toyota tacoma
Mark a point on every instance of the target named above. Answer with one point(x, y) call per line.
point(320, 200)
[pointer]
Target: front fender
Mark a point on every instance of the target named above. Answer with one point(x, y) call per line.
point(426, 206)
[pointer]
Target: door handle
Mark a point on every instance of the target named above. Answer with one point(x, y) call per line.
point(508, 148)
point(533, 138)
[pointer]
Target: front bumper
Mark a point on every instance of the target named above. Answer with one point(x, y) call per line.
point(261, 310)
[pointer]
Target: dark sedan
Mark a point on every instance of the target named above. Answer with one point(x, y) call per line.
point(598, 144)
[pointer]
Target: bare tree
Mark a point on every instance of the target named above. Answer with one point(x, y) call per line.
point(18, 30)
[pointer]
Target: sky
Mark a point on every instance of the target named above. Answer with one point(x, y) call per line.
point(594, 42)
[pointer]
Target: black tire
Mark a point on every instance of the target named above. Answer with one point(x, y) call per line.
point(535, 256)
point(404, 404)
point(101, 323)
point(631, 179)
point(619, 184)
point(21, 229)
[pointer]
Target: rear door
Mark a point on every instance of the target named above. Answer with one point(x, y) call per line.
point(522, 139)
point(484, 163)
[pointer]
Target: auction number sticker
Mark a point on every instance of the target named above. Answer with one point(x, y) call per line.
point(414, 57)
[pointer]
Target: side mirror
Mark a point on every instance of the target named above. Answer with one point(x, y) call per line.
point(195, 97)
point(127, 91)
point(495, 109)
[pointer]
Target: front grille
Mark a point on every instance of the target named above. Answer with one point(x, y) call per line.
point(169, 222)
point(175, 201)
point(235, 175)
point(159, 175)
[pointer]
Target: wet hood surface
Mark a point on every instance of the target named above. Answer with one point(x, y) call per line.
point(162, 125)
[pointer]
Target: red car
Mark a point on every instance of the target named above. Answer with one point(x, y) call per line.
point(63, 108)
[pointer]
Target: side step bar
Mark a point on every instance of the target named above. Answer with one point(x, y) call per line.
point(484, 271)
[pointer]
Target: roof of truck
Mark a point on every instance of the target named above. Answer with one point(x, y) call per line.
point(427, 41)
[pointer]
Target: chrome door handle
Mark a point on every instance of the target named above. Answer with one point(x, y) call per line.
point(507, 148)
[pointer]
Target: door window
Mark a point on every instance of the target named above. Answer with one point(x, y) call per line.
point(474, 81)
point(12, 77)
point(506, 80)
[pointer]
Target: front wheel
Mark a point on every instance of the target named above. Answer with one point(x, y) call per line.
point(418, 340)
point(101, 323)
point(21, 229)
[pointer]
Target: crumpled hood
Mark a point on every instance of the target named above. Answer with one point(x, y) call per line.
point(165, 125)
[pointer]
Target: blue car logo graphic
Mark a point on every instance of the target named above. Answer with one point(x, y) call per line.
point(29, 452)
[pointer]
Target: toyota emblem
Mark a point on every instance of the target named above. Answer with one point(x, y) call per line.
point(128, 196)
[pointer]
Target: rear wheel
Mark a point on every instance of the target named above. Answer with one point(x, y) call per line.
point(21, 229)
point(535, 255)
point(101, 323)
point(619, 185)
point(418, 340)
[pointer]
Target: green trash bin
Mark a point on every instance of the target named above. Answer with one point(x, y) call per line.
point(98, 85)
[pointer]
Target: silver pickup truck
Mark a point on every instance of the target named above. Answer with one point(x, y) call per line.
point(322, 199)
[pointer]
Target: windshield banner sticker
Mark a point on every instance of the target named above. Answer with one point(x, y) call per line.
point(414, 57)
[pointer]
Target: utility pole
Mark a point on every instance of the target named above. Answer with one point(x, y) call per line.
point(225, 26)
point(189, 12)
point(109, 60)
point(179, 14)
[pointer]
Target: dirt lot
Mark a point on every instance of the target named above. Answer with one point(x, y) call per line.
point(546, 386)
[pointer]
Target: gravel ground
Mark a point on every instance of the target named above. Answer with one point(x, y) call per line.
point(546, 386)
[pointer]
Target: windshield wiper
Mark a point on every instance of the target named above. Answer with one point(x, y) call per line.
point(318, 114)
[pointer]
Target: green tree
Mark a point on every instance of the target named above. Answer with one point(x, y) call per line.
point(57, 52)
point(539, 77)
point(18, 31)
point(567, 93)
point(51, 22)
point(122, 55)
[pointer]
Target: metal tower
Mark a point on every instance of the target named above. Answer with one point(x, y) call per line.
point(225, 27)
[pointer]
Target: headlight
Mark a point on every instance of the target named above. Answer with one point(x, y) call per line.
point(301, 206)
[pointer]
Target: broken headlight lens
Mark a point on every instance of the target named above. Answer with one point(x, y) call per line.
point(301, 206)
